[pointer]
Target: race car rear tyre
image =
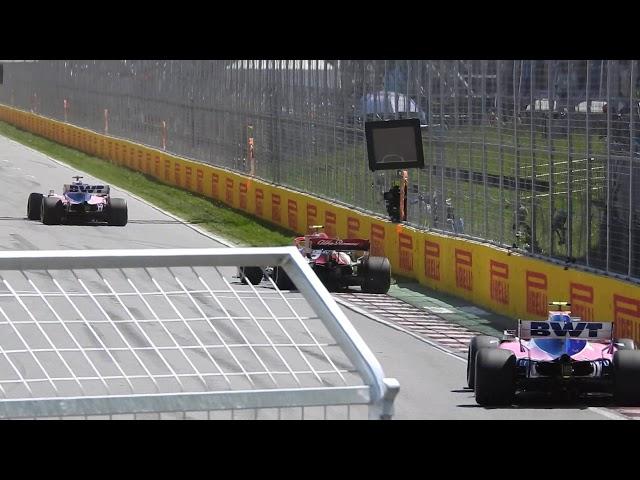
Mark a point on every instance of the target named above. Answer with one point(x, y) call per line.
point(625, 344)
point(626, 368)
point(51, 211)
point(495, 382)
point(118, 213)
point(282, 280)
point(34, 206)
point(477, 342)
point(377, 274)
point(253, 274)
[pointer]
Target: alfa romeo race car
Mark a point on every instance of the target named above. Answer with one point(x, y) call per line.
point(562, 354)
point(338, 263)
point(79, 202)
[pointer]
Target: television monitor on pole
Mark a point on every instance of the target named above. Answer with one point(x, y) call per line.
point(394, 144)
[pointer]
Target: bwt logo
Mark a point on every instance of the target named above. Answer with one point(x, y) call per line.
point(560, 329)
point(259, 200)
point(353, 227)
point(187, 178)
point(626, 317)
point(275, 208)
point(229, 191)
point(199, 180)
point(330, 223)
point(243, 188)
point(292, 214)
point(464, 278)
point(167, 169)
point(377, 240)
point(312, 214)
point(499, 277)
point(176, 172)
point(581, 299)
point(405, 251)
point(537, 300)
point(432, 260)
point(215, 181)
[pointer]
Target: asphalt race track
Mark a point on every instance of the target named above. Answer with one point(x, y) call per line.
point(432, 382)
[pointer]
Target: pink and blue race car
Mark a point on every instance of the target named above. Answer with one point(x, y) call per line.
point(79, 202)
point(561, 354)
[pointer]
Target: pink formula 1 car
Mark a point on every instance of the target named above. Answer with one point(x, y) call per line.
point(338, 263)
point(562, 354)
point(79, 202)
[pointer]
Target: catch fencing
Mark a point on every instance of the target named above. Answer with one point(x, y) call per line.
point(537, 155)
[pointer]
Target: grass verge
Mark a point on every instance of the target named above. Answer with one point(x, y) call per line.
point(211, 215)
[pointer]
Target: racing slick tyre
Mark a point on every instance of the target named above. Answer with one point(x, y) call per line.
point(51, 211)
point(477, 342)
point(377, 274)
point(253, 274)
point(625, 344)
point(34, 206)
point(282, 280)
point(626, 368)
point(495, 382)
point(118, 214)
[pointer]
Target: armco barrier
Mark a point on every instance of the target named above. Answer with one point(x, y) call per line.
point(499, 280)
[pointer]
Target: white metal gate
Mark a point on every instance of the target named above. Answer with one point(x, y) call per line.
point(166, 333)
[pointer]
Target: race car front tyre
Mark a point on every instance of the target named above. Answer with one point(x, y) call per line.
point(626, 368)
point(34, 206)
point(253, 274)
point(477, 342)
point(281, 279)
point(51, 212)
point(118, 214)
point(625, 344)
point(495, 383)
point(377, 274)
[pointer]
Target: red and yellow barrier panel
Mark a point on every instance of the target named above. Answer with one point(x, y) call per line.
point(501, 281)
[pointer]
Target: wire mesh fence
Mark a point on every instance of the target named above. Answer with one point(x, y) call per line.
point(171, 334)
point(537, 154)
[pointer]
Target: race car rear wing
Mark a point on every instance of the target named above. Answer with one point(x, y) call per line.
point(93, 189)
point(346, 244)
point(576, 328)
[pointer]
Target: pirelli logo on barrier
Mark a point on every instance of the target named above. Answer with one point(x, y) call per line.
point(228, 191)
point(330, 223)
point(243, 188)
point(167, 169)
point(140, 162)
point(275, 208)
point(176, 171)
point(215, 185)
point(499, 278)
point(292, 214)
point(581, 299)
point(405, 251)
point(187, 177)
point(312, 214)
point(626, 317)
point(259, 202)
point(463, 264)
point(537, 298)
point(432, 260)
point(200, 180)
point(377, 240)
point(148, 163)
point(156, 166)
point(353, 227)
